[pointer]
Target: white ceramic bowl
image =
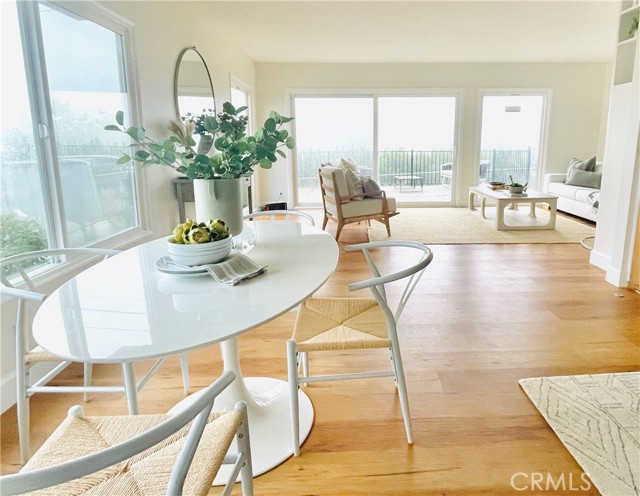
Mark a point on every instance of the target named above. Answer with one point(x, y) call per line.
point(200, 254)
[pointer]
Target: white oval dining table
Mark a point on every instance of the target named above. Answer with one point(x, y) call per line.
point(124, 310)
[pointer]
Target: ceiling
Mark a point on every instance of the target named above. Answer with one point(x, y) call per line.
point(417, 31)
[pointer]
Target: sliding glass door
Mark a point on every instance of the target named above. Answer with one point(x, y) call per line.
point(406, 143)
point(416, 140)
point(328, 129)
point(511, 141)
point(61, 183)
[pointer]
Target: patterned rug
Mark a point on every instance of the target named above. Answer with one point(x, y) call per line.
point(462, 226)
point(597, 417)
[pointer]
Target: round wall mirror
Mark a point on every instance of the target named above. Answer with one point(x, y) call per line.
point(192, 86)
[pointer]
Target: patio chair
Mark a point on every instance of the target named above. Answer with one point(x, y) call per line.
point(339, 208)
point(446, 171)
point(336, 324)
point(141, 454)
point(16, 274)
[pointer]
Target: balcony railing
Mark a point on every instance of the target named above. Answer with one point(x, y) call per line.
point(421, 163)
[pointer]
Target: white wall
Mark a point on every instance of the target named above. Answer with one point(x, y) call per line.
point(162, 30)
point(578, 93)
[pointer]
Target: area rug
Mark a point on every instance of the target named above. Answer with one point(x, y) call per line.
point(597, 417)
point(463, 226)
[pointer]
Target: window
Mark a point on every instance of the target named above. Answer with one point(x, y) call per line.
point(241, 96)
point(322, 138)
point(64, 78)
point(511, 138)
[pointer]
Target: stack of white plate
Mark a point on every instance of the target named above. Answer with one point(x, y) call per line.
point(200, 254)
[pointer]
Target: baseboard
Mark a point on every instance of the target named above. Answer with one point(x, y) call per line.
point(600, 260)
point(614, 276)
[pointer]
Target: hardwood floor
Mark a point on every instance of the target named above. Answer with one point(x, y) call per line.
point(482, 317)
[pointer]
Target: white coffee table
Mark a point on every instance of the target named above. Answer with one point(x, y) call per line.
point(504, 199)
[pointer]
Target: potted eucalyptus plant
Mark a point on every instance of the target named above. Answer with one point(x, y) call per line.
point(216, 172)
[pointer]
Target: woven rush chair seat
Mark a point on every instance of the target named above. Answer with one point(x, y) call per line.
point(145, 474)
point(38, 354)
point(340, 324)
point(142, 455)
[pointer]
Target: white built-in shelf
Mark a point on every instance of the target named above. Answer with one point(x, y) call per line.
point(626, 19)
point(627, 44)
point(629, 41)
point(625, 60)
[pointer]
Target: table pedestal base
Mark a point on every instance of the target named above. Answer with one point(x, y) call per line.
point(268, 411)
point(270, 436)
point(269, 424)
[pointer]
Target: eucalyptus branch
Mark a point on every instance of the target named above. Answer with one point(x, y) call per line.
point(235, 154)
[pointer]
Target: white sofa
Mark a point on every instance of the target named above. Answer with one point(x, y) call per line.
point(576, 200)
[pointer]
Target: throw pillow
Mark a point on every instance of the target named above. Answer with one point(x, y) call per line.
point(370, 187)
point(347, 164)
point(354, 185)
point(585, 165)
point(586, 179)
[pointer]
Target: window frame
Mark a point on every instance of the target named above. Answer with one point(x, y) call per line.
point(42, 116)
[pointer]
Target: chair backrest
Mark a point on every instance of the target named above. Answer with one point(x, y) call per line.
point(14, 272)
point(22, 261)
point(274, 214)
point(80, 467)
point(377, 283)
point(333, 187)
point(484, 168)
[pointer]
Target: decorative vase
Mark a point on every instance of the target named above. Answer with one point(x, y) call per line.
point(219, 199)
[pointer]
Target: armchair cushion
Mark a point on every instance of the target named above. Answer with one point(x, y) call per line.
point(368, 206)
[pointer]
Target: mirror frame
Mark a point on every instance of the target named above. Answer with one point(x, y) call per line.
point(177, 73)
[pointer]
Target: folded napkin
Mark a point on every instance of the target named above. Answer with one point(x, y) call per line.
point(235, 269)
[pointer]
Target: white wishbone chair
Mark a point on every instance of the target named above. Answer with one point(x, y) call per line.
point(332, 324)
point(141, 454)
point(15, 273)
